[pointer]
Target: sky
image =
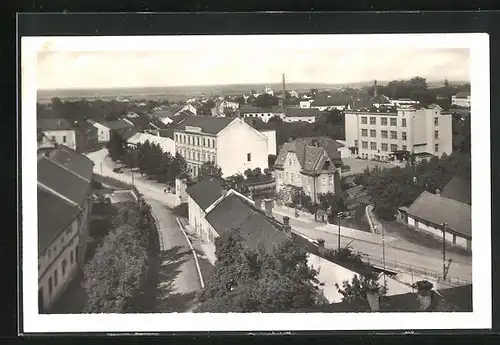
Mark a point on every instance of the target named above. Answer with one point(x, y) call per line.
point(221, 64)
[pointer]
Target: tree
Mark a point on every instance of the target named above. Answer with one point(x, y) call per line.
point(266, 101)
point(116, 146)
point(332, 202)
point(271, 159)
point(209, 169)
point(354, 291)
point(256, 281)
point(236, 181)
point(180, 167)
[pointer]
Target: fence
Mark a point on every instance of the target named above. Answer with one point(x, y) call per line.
point(414, 269)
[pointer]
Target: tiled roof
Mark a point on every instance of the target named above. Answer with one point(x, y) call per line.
point(75, 162)
point(458, 189)
point(310, 157)
point(205, 192)
point(234, 213)
point(117, 125)
point(247, 109)
point(301, 112)
point(53, 125)
point(458, 299)
point(437, 209)
point(54, 214)
point(322, 101)
point(208, 124)
point(62, 181)
point(463, 94)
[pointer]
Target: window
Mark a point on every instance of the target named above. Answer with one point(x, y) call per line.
point(394, 135)
point(286, 176)
point(198, 155)
point(364, 144)
point(364, 132)
point(55, 277)
point(436, 147)
point(373, 120)
point(204, 157)
point(373, 133)
point(436, 121)
point(204, 143)
point(198, 141)
point(364, 120)
point(383, 121)
point(63, 267)
point(394, 122)
point(403, 135)
point(373, 146)
point(50, 286)
point(64, 138)
point(404, 148)
point(436, 134)
point(384, 147)
point(355, 143)
point(292, 177)
point(384, 134)
point(403, 122)
point(394, 147)
point(249, 157)
point(53, 137)
point(71, 257)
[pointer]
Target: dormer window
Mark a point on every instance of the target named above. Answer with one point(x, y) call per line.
point(327, 165)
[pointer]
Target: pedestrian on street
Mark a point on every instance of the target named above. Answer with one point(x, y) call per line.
point(164, 190)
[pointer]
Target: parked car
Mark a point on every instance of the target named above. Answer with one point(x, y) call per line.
point(117, 170)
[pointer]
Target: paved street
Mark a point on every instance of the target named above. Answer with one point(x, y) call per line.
point(179, 281)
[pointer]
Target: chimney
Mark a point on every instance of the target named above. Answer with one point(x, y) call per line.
point(287, 229)
point(375, 88)
point(268, 206)
point(438, 192)
point(424, 294)
point(373, 296)
point(258, 202)
point(321, 246)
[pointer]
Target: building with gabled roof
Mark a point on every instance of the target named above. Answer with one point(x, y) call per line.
point(64, 206)
point(59, 131)
point(104, 128)
point(438, 216)
point(264, 114)
point(312, 164)
point(297, 114)
point(228, 141)
point(461, 99)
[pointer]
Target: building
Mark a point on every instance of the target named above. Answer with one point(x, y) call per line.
point(429, 211)
point(193, 107)
point(376, 134)
point(166, 144)
point(221, 106)
point(294, 94)
point(312, 164)
point(461, 99)
point(228, 141)
point(402, 102)
point(64, 207)
point(269, 91)
point(104, 128)
point(60, 131)
point(268, 129)
point(305, 104)
point(86, 136)
point(329, 102)
point(43, 141)
point(265, 114)
point(293, 114)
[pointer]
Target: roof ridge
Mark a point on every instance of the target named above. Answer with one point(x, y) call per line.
point(58, 195)
point(67, 169)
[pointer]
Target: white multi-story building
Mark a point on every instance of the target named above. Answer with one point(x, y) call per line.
point(461, 99)
point(377, 134)
point(312, 164)
point(59, 131)
point(265, 114)
point(228, 141)
point(64, 207)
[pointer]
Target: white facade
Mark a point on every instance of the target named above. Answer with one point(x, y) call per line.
point(62, 137)
point(294, 93)
point(234, 149)
point(461, 101)
point(198, 221)
point(58, 264)
point(378, 134)
point(264, 115)
point(271, 141)
point(435, 230)
point(102, 132)
point(402, 102)
point(305, 104)
point(309, 119)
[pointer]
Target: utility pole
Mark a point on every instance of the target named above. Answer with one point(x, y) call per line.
point(339, 214)
point(383, 254)
point(444, 250)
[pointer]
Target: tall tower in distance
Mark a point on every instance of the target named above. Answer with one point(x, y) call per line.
point(284, 85)
point(375, 88)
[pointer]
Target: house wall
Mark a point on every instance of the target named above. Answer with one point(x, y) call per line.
point(264, 116)
point(186, 144)
point(461, 102)
point(63, 137)
point(351, 129)
point(51, 261)
point(438, 232)
point(309, 119)
point(445, 140)
point(102, 133)
point(271, 141)
point(235, 142)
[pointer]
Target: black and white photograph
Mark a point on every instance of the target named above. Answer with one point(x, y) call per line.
point(258, 182)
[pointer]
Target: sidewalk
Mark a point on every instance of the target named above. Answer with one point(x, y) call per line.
point(277, 210)
point(355, 234)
